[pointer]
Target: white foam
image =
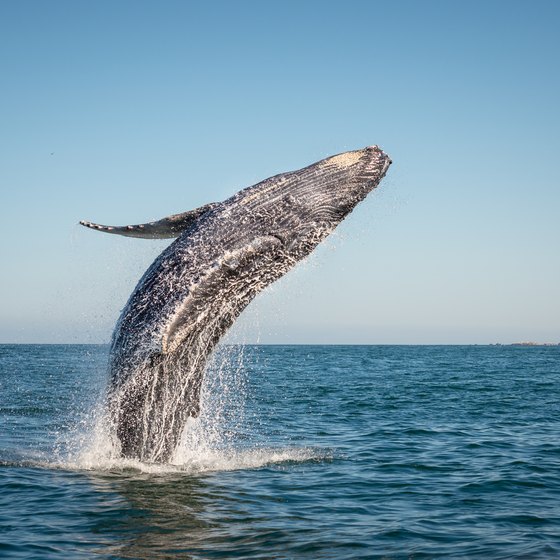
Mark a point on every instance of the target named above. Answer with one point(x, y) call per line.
point(209, 443)
point(203, 462)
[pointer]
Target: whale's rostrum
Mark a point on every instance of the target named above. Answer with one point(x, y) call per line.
point(224, 255)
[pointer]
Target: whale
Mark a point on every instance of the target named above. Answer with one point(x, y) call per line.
point(223, 255)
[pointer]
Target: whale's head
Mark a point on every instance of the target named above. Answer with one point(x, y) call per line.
point(343, 180)
point(308, 204)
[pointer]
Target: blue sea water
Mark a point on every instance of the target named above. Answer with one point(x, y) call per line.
point(300, 452)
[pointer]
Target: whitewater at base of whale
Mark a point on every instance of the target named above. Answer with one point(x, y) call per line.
point(209, 442)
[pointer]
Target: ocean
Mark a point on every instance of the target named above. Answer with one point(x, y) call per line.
point(403, 452)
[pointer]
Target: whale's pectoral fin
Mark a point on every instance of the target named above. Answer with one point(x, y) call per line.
point(172, 226)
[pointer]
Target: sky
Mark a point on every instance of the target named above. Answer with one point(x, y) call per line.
point(126, 111)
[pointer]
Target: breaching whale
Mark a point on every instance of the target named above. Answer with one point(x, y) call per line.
point(224, 255)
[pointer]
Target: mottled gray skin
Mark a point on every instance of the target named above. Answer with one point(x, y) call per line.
point(198, 286)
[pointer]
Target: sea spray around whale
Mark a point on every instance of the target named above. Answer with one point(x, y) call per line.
point(220, 439)
point(224, 255)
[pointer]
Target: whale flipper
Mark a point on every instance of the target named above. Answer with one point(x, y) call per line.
point(171, 226)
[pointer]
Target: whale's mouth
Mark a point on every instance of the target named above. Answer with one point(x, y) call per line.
point(388, 162)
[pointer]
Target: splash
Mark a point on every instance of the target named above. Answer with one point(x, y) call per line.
point(218, 440)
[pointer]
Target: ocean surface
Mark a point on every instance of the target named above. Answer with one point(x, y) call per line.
point(300, 452)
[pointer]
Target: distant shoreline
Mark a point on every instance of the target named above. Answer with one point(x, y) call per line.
point(529, 344)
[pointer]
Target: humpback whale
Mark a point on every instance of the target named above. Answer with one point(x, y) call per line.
point(224, 254)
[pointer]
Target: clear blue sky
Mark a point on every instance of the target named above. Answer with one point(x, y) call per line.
point(125, 111)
